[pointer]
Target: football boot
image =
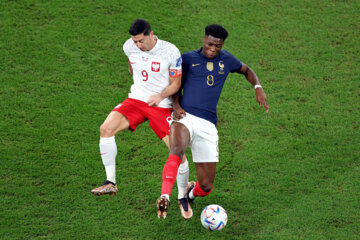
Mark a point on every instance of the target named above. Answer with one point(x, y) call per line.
point(185, 208)
point(162, 204)
point(107, 188)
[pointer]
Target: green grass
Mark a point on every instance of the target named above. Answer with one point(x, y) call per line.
point(290, 174)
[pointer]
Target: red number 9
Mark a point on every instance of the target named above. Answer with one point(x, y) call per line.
point(145, 75)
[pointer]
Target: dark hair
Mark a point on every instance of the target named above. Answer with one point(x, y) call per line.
point(140, 26)
point(216, 31)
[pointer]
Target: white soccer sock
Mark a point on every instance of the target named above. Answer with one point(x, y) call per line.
point(182, 179)
point(191, 195)
point(108, 151)
point(167, 196)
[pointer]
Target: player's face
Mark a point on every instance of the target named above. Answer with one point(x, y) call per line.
point(212, 46)
point(144, 42)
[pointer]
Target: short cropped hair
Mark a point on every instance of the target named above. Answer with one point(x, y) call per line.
point(140, 26)
point(216, 31)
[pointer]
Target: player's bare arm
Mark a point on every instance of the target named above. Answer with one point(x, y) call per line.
point(175, 84)
point(130, 68)
point(252, 78)
point(179, 112)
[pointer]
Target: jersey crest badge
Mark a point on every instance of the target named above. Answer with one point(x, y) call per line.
point(155, 66)
point(221, 65)
point(210, 66)
point(178, 62)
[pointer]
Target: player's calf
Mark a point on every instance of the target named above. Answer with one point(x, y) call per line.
point(194, 190)
point(202, 192)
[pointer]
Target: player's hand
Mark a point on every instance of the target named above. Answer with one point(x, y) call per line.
point(154, 100)
point(261, 98)
point(178, 113)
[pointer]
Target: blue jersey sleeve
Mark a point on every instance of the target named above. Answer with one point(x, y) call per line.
point(185, 67)
point(234, 63)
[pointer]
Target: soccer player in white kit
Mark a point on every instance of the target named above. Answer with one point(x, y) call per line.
point(156, 68)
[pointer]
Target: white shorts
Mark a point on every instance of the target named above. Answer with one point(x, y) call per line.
point(203, 138)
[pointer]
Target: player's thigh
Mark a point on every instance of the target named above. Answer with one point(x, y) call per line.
point(115, 122)
point(206, 172)
point(166, 140)
point(159, 120)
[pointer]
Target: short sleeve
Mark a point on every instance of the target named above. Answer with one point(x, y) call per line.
point(235, 64)
point(127, 46)
point(185, 66)
point(232, 62)
point(175, 58)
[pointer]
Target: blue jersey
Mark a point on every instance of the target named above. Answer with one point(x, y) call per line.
point(203, 80)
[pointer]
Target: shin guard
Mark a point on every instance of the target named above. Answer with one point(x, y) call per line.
point(169, 174)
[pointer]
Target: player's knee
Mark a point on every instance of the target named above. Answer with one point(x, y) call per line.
point(105, 131)
point(177, 150)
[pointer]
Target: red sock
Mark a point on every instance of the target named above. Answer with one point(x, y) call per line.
point(169, 174)
point(198, 192)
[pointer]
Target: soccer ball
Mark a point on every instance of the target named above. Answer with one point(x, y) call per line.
point(213, 217)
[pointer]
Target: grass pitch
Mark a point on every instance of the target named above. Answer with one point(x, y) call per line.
point(290, 174)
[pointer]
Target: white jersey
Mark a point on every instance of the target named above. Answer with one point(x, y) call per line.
point(151, 69)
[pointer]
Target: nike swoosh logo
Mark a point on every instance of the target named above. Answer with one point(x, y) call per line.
point(182, 173)
point(169, 177)
point(103, 153)
point(197, 64)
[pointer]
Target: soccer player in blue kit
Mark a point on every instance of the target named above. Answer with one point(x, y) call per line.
point(194, 117)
